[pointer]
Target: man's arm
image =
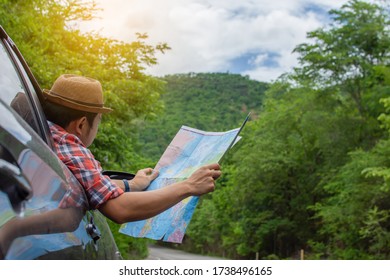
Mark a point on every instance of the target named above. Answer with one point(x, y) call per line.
point(134, 206)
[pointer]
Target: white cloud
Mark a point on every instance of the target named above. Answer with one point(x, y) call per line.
point(259, 59)
point(206, 35)
point(285, 61)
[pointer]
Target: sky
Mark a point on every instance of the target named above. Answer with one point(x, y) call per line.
point(248, 37)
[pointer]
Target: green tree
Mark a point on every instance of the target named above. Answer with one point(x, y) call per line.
point(311, 172)
point(356, 216)
point(346, 53)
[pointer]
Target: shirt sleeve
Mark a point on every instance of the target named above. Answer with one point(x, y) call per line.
point(87, 170)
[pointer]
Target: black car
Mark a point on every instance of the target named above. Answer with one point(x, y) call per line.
point(43, 208)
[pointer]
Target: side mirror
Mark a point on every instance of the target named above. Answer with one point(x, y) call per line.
point(118, 175)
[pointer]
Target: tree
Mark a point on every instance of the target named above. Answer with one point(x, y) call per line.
point(346, 53)
point(356, 216)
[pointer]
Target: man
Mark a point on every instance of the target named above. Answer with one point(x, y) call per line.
point(74, 108)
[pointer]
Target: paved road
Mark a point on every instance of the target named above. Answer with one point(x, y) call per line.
point(161, 253)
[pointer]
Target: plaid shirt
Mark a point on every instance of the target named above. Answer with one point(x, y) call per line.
point(84, 166)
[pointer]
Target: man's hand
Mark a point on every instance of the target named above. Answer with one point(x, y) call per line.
point(202, 181)
point(142, 179)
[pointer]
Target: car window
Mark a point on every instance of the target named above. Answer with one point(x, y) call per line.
point(12, 90)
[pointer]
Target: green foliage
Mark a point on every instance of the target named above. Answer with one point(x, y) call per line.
point(356, 215)
point(312, 172)
point(286, 154)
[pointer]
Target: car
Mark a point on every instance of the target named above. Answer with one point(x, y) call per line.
point(43, 208)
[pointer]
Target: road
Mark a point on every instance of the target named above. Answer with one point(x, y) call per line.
point(161, 253)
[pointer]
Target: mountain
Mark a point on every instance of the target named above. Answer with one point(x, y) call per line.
point(207, 101)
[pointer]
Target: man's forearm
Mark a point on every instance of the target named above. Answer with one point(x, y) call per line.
point(134, 206)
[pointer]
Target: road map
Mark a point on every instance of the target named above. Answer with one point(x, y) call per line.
point(190, 149)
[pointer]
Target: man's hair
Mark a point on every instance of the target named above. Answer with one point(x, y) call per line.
point(62, 116)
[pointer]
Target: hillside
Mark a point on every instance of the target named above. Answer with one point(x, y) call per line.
point(207, 101)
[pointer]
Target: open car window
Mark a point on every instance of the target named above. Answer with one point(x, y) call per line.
point(13, 91)
point(20, 90)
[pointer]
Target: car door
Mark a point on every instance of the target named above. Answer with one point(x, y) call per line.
point(43, 208)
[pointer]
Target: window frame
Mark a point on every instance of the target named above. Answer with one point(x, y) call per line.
point(35, 95)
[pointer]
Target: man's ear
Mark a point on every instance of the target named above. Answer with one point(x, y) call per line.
point(77, 126)
point(81, 125)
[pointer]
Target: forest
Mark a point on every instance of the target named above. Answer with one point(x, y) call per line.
point(312, 171)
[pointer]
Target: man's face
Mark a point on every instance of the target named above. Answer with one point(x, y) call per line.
point(89, 132)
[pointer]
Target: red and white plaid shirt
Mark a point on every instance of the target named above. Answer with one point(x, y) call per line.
point(79, 159)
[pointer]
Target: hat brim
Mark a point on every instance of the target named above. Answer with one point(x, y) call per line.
point(74, 105)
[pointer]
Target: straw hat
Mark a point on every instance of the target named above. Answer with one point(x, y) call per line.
point(77, 92)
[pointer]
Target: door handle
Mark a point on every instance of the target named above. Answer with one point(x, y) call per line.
point(15, 185)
